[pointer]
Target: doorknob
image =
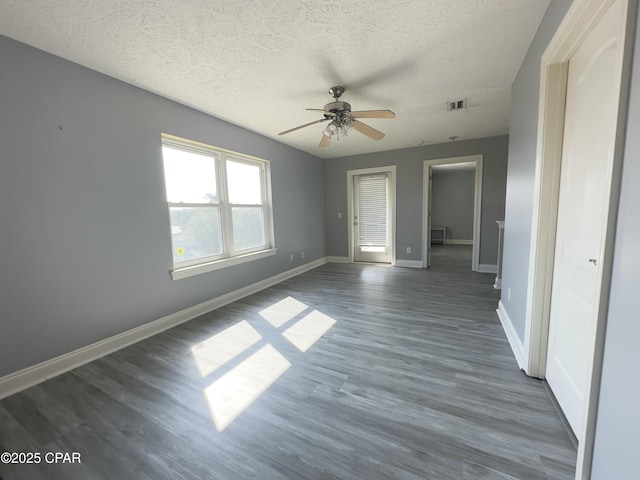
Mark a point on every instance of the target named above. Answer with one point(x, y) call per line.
point(594, 261)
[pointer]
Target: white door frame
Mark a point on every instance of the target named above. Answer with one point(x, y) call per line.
point(477, 206)
point(391, 171)
point(581, 18)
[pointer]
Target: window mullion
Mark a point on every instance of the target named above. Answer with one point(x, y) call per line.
point(265, 216)
point(266, 206)
point(225, 210)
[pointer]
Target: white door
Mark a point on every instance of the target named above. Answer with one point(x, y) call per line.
point(372, 218)
point(587, 155)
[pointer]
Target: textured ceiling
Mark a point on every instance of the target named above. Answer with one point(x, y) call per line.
point(259, 64)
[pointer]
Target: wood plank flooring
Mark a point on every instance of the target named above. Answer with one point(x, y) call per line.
point(411, 379)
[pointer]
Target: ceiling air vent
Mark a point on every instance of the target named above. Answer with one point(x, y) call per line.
point(457, 105)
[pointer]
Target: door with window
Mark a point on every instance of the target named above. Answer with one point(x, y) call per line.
point(372, 218)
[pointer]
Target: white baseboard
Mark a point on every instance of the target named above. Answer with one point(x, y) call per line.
point(514, 342)
point(498, 284)
point(487, 268)
point(409, 263)
point(22, 379)
point(338, 260)
point(453, 241)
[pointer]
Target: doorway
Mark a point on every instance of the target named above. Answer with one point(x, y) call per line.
point(452, 197)
point(571, 118)
point(588, 139)
point(371, 214)
point(429, 227)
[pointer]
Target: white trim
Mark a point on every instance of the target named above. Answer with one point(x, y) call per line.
point(338, 259)
point(459, 242)
point(409, 263)
point(30, 376)
point(514, 341)
point(186, 272)
point(477, 206)
point(391, 170)
point(581, 18)
point(487, 268)
point(498, 283)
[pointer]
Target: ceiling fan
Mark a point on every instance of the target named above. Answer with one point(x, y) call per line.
point(343, 119)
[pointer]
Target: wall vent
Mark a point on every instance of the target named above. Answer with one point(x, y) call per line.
point(457, 104)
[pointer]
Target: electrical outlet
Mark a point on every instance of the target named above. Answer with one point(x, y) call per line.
point(291, 257)
point(509, 294)
point(408, 249)
point(339, 214)
point(302, 255)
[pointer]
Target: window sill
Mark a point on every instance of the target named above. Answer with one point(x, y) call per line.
point(186, 272)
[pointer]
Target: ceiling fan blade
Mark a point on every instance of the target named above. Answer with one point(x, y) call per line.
point(373, 114)
point(367, 130)
point(325, 141)
point(302, 126)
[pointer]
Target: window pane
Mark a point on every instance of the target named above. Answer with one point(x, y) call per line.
point(195, 232)
point(190, 177)
point(372, 214)
point(248, 227)
point(245, 185)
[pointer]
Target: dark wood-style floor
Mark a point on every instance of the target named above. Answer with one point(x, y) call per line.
point(414, 380)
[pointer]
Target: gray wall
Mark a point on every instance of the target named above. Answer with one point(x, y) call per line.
point(452, 198)
point(523, 134)
point(617, 446)
point(86, 250)
point(409, 200)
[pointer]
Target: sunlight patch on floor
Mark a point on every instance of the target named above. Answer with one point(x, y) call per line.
point(224, 346)
point(304, 333)
point(281, 312)
point(232, 393)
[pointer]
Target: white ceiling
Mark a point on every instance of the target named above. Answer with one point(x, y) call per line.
point(260, 63)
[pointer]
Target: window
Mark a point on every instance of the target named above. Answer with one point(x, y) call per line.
point(372, 203)
point(219, 206)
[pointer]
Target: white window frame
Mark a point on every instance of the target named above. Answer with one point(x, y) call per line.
point(229, 256)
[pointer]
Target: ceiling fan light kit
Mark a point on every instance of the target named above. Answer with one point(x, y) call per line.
point(338, 128)
point(343, 120)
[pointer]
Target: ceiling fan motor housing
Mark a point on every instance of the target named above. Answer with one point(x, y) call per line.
point(339, 108)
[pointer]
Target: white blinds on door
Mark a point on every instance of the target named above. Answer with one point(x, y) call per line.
point(372, 214)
